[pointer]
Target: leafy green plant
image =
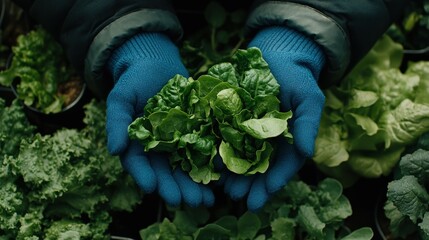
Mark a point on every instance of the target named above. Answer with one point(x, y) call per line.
point(59, 186)
point(216, 42)
point(299, 211)
point(232, 110)
point(373, 115)
point(407, 204)
point(412, 30)
point(45, 81)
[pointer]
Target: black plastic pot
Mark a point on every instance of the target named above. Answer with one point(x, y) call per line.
point(71, 116)
point(7, 94)
point(415, 55)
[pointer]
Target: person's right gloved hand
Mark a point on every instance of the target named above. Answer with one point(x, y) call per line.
point(140, 67)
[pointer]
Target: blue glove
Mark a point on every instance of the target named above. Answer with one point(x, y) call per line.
point(140, 68)
point(296, 62)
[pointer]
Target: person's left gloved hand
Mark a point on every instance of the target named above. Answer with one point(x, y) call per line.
point(296, 62)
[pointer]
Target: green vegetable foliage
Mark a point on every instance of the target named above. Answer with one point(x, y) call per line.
point(39, 63)
point(59, 186)
point(231, 111)
point(407, 205)
point(373, 115)
point(298, 211)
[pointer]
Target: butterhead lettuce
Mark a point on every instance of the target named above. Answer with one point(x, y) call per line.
point(232, 111)
point(373, 115)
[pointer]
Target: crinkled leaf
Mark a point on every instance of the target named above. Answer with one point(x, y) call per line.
point(68, 229)
point(421, 69)
point(283, 228)
point(307, 218)
point(13, 122)
point(399, 224)
point(336, 211)
point(409, 197)
point(251, 58)
point(424, 226)
point(395, 87)
point(223, 71)
point(416, 164)
point(406, 122)
point(260, 83)
point(170, 96)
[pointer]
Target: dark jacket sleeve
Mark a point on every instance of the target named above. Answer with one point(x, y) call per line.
point(90, 29)
point(346, 30)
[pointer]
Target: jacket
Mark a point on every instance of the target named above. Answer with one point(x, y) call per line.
point(90, 30)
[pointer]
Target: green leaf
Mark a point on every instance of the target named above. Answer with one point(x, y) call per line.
point(365, 123)
point(364, 233)
point(416, 164)
point(215, 14)
point(330, 148)
point(68, 229)
point(265, 127)
point(332, 188)
point(406, 122)
point(360, 98)
point(231, 135)
point(223, 71)
point(374, 164)
point(170, 96)
point(166, 125)
point(260, 83)
point(283, 228)
point(203, 174)
point(409, 197)
point(266, 104)
point(263, 156)
point(212, 231)
point(424, 226)
point(271, 125)
point(400, 225)
point(207, 82)
point(336, 212)
point(228, 101)
point(247, 59)
point(137, 129)
point(231, 161)
point(420, 68)
point(308, 220)
point(248, 226)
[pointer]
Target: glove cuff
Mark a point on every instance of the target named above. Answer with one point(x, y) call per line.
point(286, 41)
point(144, 47)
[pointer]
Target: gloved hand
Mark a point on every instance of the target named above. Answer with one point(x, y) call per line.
point(295, 61)
point(140, 68)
